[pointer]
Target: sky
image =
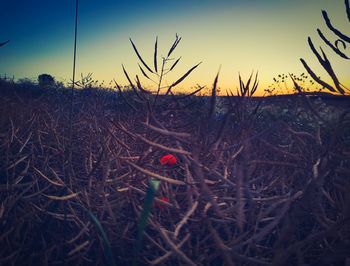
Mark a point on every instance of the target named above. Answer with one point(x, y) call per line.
point(235, 36)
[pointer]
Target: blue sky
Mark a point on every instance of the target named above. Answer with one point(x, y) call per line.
point(240, 36)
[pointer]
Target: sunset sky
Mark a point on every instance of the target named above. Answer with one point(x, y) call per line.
point(241, 36)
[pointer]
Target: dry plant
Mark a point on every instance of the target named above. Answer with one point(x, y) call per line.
point(244, 191)
point(3, 43)
point(338, 87)
point(155, 74)
point(248, 188)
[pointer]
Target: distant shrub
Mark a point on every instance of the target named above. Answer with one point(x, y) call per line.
point(26, 83)
point(46, 80)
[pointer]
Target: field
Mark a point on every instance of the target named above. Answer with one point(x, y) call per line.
point(257, 181)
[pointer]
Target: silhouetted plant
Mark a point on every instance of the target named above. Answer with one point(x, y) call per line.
point(338, 87)
point(7, 79)
point(85, 82)
point(46, 80)
point(26, 83)
point(281, 85)
point(157, 75)
point(3, 43)
point(251, 191)
point(245, 89)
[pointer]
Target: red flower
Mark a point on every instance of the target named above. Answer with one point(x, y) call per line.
point(168, 160)
point(160, 205)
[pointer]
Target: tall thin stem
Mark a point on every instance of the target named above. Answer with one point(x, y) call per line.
point(68, 160)
point(72, 89)
point(160, 81)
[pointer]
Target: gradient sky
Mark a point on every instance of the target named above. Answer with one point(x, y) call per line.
point(239, 35)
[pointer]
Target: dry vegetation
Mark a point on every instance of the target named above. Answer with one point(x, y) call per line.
point(256, 182)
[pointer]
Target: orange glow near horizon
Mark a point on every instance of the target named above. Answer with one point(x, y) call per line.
point(237, 38)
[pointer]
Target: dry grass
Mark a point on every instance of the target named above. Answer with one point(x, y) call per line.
point(249, 188)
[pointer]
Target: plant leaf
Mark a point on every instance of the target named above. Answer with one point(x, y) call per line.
point(155, 55)
point(106, 245)
point(147, 206)
point(176, 42)
point(139, 56)
point(143, 72)
point(336, 31)
point(3, 43)
point(334, 48)
point(213, 97)
point(182, 78)
point(314, 76)
point(177, 61)
point(139, 86)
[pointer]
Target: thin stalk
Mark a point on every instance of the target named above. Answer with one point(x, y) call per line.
point(72, 89)
point(70, 166)
point(160, 80)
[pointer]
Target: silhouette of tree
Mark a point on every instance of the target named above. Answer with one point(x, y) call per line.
point(46, 80)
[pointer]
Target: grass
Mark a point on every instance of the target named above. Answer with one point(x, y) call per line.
point(151, 193)
point(106, 245)
point(257, 181)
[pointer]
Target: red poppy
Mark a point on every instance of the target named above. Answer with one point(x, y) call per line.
point(168, 160)
point(160, 205)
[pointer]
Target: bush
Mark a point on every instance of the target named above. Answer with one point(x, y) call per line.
point(46, 80)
